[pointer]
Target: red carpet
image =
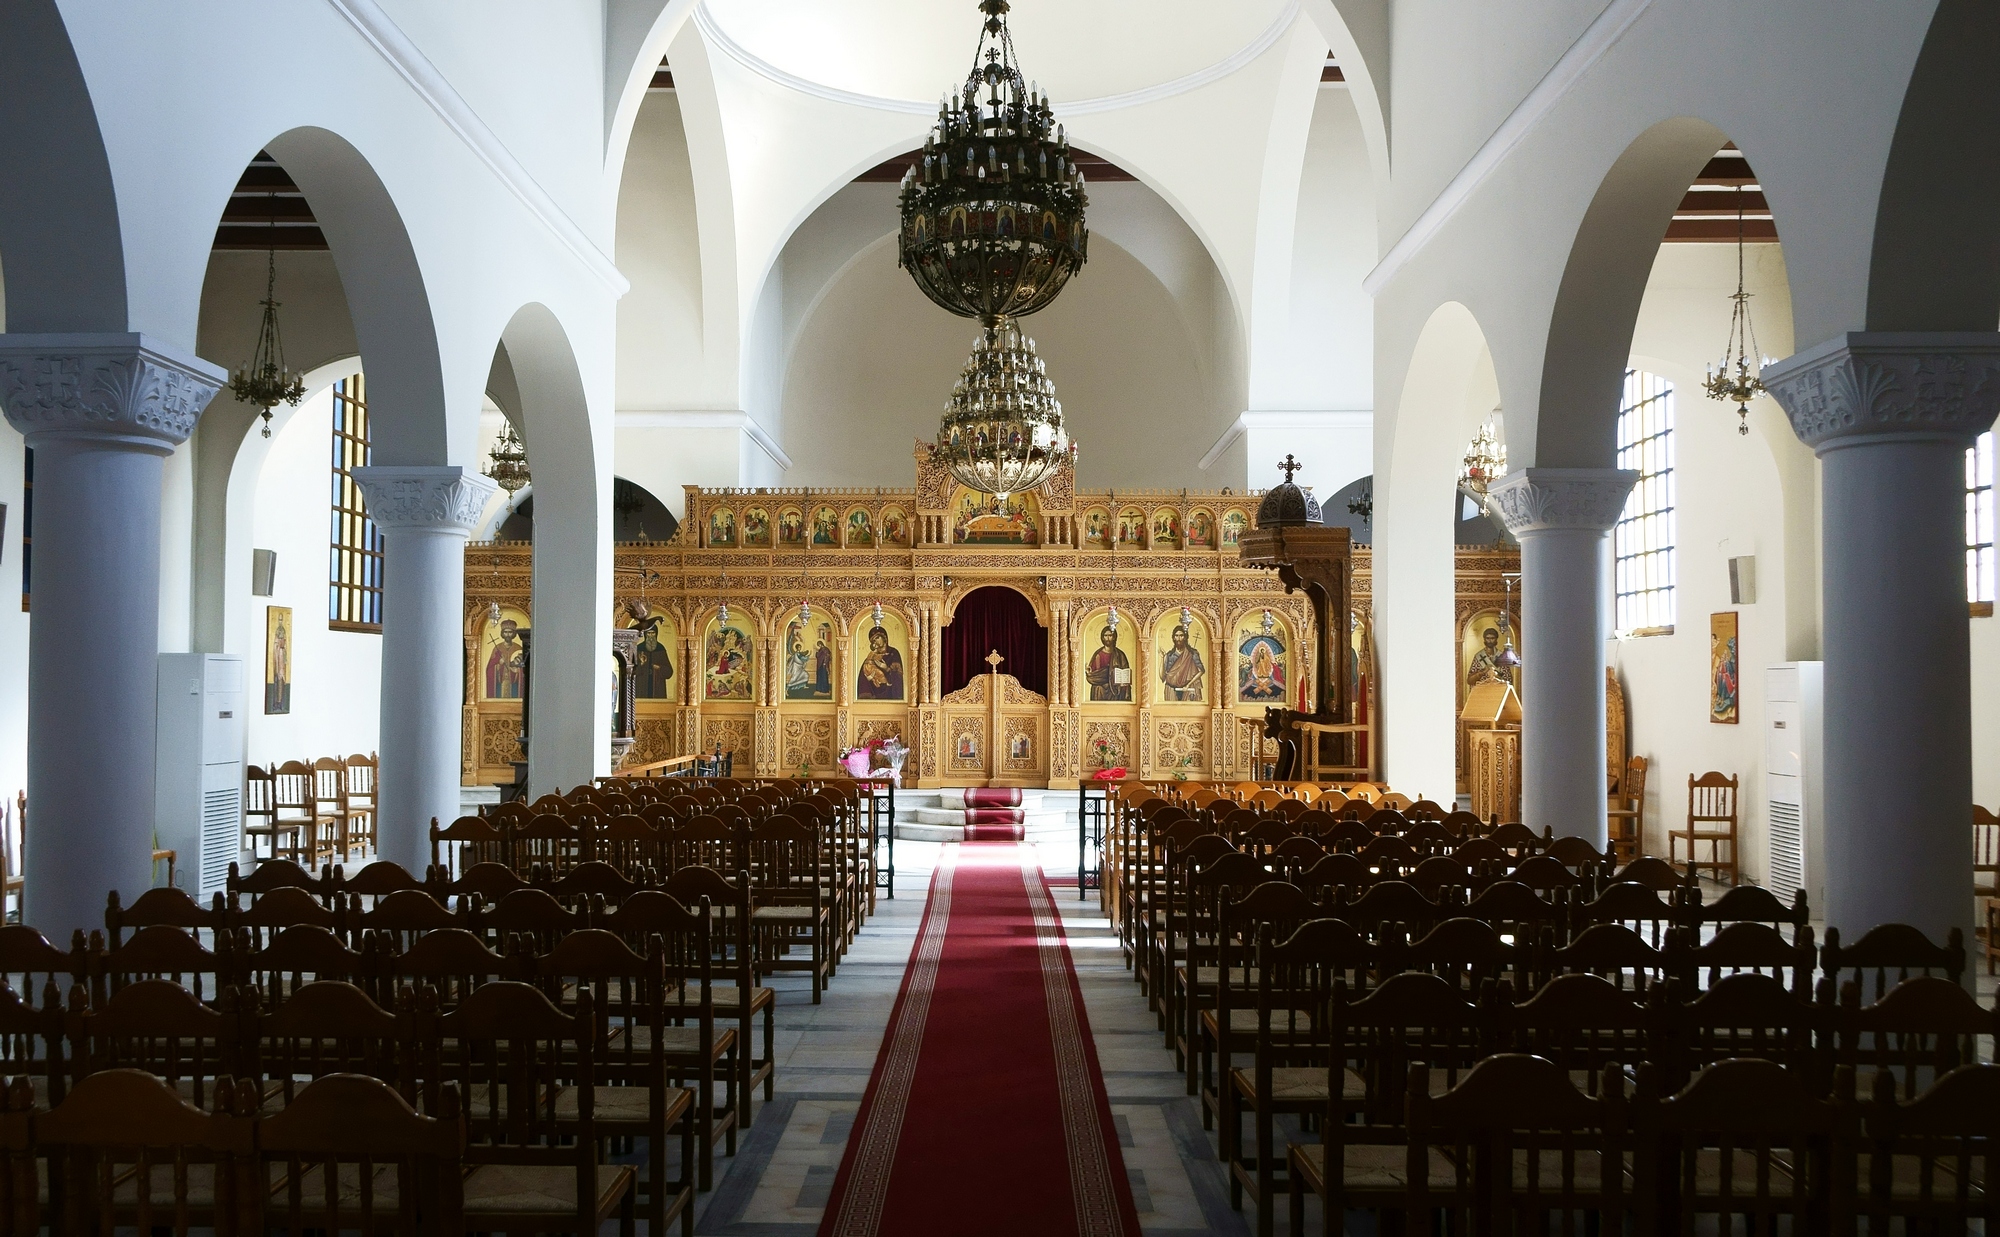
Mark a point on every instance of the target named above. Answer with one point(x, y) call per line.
point(986, 1114)
point(995, 833)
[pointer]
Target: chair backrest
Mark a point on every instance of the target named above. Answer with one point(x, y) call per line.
point(257, 793)
point(359, 774)
point(1712, 798)
point(328, 1027)
point(157, 1026)
point(292, 790)
point(123, 1123)
point(281, 967)
point(1886, 955)
point(1948, 1133)
point(157, 952)
point(1744, 1015)
point(1632, 789)
point(1922, 1030)
point(329, 784)
point(1520, 1139)
point(330, 1142)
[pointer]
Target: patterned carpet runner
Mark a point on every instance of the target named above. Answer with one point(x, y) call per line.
point(986, 1113)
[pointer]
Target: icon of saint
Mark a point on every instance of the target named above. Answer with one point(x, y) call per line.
point(652, 667)
point(1181, 672)
point(1109, 671)
point(881, 674)
point(505, 665)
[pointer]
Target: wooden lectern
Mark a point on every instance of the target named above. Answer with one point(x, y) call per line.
point(1492, 723)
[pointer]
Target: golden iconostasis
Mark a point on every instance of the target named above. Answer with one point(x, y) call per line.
point(1201, 640)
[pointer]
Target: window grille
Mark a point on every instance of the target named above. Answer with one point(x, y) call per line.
point(1643, 541)
point(354, 593)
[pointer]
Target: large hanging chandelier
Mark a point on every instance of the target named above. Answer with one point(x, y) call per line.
point(1733, 381)
point(266, 381)
point(1485, 462)
point(507, 463)
point(993, 216)
point(1002, 431)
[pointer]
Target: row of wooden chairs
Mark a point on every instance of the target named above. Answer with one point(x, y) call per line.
point(1332, 1031)
point(311, 812)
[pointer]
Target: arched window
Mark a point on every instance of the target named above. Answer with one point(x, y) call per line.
point(1979, 560)
point(354, 578)
point(1643, 540)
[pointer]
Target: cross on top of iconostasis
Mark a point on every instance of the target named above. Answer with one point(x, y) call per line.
point(994, 659)
point(1288, 466)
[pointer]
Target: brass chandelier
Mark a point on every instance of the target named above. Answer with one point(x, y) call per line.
point(992, 229)
point(267, 381)
point(1002, 431)
point(507, 462)
point(1733, 381)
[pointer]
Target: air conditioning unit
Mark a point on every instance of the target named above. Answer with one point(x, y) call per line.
point(198, 767)
point(1795, 780)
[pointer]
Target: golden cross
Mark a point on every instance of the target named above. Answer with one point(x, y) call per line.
point(994, 659)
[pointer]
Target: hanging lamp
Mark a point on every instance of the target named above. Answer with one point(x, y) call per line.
point(267, 381)
point(1733, 381)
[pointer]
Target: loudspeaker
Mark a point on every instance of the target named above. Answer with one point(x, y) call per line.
point(263, 570)
point(1743, 580)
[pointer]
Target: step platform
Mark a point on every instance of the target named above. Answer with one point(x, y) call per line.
point(978, 814)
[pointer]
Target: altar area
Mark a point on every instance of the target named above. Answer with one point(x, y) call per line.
point(784, 626)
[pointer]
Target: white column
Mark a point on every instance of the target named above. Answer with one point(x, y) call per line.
point(1560, 516)
point(1890, 417)
point(425, 513)
point(101, 412)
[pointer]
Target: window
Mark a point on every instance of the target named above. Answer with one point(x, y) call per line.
point(1643, 541)
point(354, 595)
point(1979, 561)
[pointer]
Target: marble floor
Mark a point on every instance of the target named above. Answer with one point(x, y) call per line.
point(778, 1182)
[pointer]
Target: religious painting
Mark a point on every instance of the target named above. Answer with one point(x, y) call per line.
point(1166, 530)
point(1097, 527)
point(1722, 668)
point(1485, 636)
point(728, 653)
point(1261, 669)
point(756, 527)
point(808, 656)
point(1132, 527)
point(965, 750)
point(1200, 530)
point(825, 526)
point(791, 526)
point(722, 527)
point(277, 659)
point(879, 659)
point(503, 659)
point(1179, 653)
point(1021, 748)
point(1107, 672)
point(653, 660)
point(895, 527)
point(860, 529)
point(1234, 524)
point(982, 519)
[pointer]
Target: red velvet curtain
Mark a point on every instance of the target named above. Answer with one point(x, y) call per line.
point(996, 618)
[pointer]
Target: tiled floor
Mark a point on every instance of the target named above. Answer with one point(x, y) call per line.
point(777, 1184)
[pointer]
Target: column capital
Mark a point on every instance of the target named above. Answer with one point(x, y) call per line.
point(440, 497)
point(1890, 386)
point(112, 388)
point(1536, 500)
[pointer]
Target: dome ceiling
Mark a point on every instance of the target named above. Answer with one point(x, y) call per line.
point(906, 52)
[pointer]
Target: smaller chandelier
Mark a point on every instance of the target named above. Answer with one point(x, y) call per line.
point(1002, 431)
point(266, 381)
point(1485, 461)
point(1111, 619)
point(507, 463)
point(1187, 619)
point(1733, 381)
point(1269, 624)
point(878, 614)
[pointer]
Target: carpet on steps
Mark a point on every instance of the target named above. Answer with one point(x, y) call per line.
point(995, 816)
point(996, 833)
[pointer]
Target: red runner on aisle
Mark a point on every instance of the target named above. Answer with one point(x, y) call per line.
point(986, 1113)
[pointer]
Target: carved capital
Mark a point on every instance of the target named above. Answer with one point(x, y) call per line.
point(444, 498)
point(131, 390)
point(1536, 500)
point(1875, 385)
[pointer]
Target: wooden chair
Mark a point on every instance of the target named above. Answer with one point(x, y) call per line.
point(352, 1153)
point(1922, 1030)
point(1745, 1138)
point(534, 1165)
point(788, 890)
point(1712, 819)
point(357, 789)
point(1986, 878)
point(629, 993)
point(329, 801)
point(1627, 813)
point(325, 1028)
point(134, 1154)
point(154, 953)
point(295, 957)
point(1530, 1152)
point(260, 819)
point(1933, 1159)
point(156, 1026)
point(1889, 954)
point(293, 804)
point(740, 1000)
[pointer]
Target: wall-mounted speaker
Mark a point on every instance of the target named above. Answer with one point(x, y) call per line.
point(263, 571)
point(1743, 580)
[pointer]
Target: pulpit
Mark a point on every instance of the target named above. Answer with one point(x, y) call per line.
point(1492, 723)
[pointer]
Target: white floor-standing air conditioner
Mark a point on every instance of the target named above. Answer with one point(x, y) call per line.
point(1795, 780)
point(198, 771)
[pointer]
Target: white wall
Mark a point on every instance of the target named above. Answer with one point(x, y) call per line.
point(13, 625)
point(336, 675)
